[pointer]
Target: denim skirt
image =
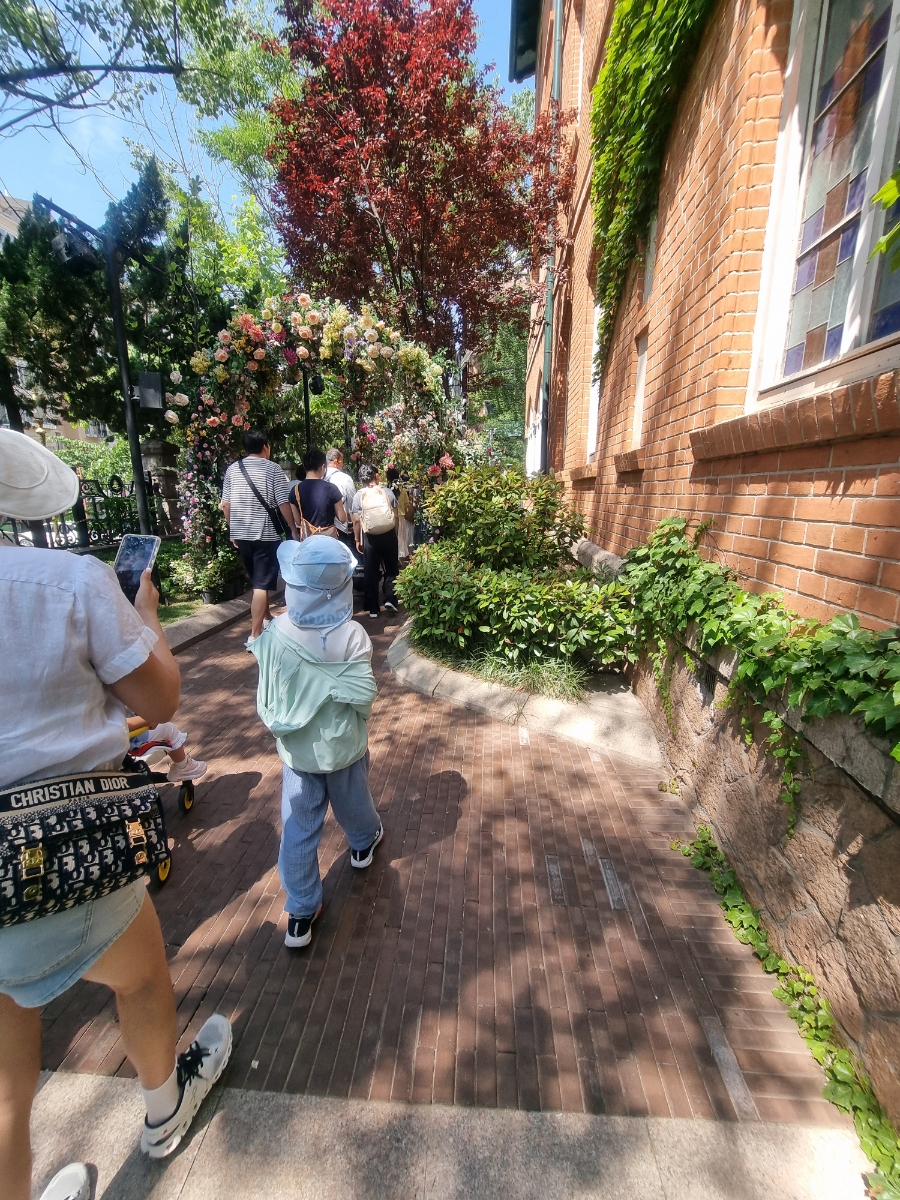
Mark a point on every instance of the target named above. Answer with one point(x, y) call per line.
point(41, 959)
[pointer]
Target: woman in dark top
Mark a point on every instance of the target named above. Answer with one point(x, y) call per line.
point(316, 500)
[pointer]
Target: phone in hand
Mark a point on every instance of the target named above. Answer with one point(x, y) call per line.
point(137, 553)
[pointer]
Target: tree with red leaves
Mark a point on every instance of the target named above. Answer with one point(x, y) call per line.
point(402, 178)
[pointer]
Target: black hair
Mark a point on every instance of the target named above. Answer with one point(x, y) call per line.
point(367, 473)
point(300, 472)
point(313, 459)
point(255, 440)
point(393, 474)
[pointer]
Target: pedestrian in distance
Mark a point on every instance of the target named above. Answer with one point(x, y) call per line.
point(256, 502)
point(315, 694)
point(317, 504)
point(374, 512)
point(335, 473)
point(76, 648)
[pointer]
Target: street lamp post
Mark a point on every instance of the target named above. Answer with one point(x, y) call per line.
point(111, 259)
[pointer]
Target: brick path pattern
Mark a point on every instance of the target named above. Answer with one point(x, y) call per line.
point(525, 938)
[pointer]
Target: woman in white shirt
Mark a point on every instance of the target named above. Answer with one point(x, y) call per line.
point(75, 656)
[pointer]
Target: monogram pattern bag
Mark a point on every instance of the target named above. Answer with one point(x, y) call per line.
point(69, 840)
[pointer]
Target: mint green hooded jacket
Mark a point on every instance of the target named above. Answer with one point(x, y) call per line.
point(317, 710)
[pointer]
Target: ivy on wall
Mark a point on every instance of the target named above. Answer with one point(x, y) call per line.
point(649, 54)
point(848, 1086)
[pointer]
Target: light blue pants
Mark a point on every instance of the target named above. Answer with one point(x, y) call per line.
point(304, 803)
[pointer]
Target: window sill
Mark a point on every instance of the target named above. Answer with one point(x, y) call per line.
point(866, 408)
point(589, 471)
point(870, 360)
point(629, 462)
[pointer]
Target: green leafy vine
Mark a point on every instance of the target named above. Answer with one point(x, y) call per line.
point(648, 56)
point(847, 1087)
point(684, 601)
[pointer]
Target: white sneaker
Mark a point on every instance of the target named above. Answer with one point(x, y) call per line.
point(71, 1183)
point(188, 768)
point(198, 1069)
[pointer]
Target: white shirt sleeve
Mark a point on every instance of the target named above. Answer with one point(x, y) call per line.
point(118, 641)
point(359, 644)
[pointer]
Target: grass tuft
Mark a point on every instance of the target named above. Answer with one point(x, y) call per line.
point(559, 678)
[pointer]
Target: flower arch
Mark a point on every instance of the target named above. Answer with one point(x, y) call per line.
point(393, 388)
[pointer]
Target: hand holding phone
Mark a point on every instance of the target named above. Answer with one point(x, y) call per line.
point(137, 553)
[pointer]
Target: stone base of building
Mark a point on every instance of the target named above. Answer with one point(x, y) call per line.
point(830, 893)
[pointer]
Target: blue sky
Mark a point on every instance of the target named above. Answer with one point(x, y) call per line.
point(36, 161)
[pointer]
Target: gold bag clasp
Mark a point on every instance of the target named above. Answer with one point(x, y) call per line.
point(31, 861)
point(136, 835)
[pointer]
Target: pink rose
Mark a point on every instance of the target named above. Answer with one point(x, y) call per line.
point(224, 337)
point(212, 422)
point(259, 355)
point(304, 299)
point(252, 365)
point(303, 352)
point(221, 355)
point(237, 419)
point(434, 470)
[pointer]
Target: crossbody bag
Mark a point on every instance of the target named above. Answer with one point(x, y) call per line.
point(72, 839)
point(281, 526)
point(307, 529)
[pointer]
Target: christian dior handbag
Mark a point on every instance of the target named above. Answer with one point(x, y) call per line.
point(69, 840)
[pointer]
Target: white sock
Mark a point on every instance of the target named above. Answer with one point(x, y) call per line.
point(161, 1102)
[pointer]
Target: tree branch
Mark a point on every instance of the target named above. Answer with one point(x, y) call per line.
point(10, 79)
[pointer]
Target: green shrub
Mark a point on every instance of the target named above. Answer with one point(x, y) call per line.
point(500, 519)
point(518, 614)
point(201, 570)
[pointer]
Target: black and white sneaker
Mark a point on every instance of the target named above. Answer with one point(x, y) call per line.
point(299, 930)
point(363, 858)
point(71, 1183)
point(198, 1068)
point(374, 615)
point(389, 604)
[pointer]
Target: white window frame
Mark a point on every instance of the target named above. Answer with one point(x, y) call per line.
point(596, 386)
point(767, 383)
point(640, 387)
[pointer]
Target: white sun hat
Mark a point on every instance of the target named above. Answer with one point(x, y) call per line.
point(34, 483)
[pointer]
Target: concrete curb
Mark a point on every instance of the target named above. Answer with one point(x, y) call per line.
point(202, 624)
point(611, 720)
point(256, 1145)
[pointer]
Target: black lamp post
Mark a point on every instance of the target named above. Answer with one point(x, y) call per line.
point(111, 258)
point(316, 385)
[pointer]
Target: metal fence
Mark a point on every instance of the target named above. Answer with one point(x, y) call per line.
point(98, 520)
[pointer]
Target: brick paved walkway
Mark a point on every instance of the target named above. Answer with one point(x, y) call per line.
point(525, 937)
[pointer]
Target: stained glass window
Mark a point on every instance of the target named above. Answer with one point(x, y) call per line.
point(849, 79)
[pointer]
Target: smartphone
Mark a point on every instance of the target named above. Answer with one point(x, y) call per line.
point(137, 553)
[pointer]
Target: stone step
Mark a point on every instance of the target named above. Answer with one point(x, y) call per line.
point(268, 1146)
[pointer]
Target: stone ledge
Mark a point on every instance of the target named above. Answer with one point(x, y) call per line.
point(630, 461)
point(202, 624)
point(595, 558)
point(588, 471)
point(611, 720)
point(861, 410)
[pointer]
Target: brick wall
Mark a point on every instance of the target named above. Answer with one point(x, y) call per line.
point(815, 514)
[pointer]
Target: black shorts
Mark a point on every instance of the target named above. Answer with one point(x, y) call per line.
point(260, 561)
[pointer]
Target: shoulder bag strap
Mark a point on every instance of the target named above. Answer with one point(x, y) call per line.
point(274, 515)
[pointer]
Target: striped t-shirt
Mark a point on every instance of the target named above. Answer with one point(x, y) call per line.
point(249, 521)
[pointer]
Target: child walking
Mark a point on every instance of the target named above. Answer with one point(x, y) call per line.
point(315, 694)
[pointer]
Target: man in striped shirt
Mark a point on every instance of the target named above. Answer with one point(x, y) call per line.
point(250, 524)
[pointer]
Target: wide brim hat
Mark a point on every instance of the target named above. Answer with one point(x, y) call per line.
point(34, 483)
point(318, 577)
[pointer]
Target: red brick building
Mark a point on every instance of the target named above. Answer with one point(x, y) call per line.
point(753, 373)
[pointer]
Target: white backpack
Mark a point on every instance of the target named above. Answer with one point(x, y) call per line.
point(376, 515)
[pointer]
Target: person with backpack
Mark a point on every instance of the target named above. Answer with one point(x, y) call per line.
point(374, 523)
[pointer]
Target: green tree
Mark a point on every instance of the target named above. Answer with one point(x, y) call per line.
point(53, 321)
point(66, 56)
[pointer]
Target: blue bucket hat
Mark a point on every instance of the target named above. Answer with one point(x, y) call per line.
point(318, 576)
